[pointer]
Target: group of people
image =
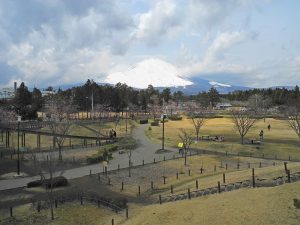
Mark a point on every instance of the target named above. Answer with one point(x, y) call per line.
point(112, 133)
point(261, 133)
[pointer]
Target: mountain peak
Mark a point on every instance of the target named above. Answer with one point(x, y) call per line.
point(153, 71)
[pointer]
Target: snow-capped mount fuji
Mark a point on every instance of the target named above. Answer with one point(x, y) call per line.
point(152, 71)
point(161, 74)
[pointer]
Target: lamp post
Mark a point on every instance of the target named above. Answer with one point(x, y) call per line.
point(163, 133)
point(126, 117)
point(87, 112)
point(18, 162)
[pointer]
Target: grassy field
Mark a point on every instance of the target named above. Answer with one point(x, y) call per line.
point(46, 142)
point(280, 140)
point(261, 206)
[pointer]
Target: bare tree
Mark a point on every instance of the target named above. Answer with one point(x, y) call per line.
point(47, 178)
point(59, 110)
point(186, 139)
point(293, 116)
point(198, 120)
point(7, 115)
point(243, 121)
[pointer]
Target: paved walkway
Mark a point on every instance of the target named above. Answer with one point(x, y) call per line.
point(146, 151)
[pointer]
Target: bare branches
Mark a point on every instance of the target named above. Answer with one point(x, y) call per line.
point(186, 139)
point(293, 116)
point(7, 116)
point(198, 121)
point(243, 121)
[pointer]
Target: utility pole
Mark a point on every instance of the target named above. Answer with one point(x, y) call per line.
point(18, 162)
point(163, 133)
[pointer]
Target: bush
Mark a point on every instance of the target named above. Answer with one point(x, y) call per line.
point(150, 128)
point(56, 182)
point(35, 183)
point(155, 123)
point(166, 120)
point(175, 117)
point(144, 121)
point(297, 203)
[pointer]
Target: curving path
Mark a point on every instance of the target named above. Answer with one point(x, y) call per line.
point(146, 151)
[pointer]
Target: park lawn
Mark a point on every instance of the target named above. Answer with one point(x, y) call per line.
point(280, 140)
point(210, 178)
point(67, 214)
point(261, 206)
point(47, 141)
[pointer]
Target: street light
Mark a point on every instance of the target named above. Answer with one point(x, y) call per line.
point(18, 162)
point(163, 132)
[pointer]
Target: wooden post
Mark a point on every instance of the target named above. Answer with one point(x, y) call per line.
point(139, 190)
point(159, 197)
point(143, 162)
point(171, 189)
point(99, 177)
point(122, 186)
point(289, 176)
point(39, 207)
point(289, 158)
point(273, 163)
point(224, 178)
point(259, 164)
point(81, 200)
point(153, 160)
point(189, 172)
point(164, 179)
point(189, 193)
point(105, 168)
point(238, 165)
point(177, 175)
point(55, 203)
point(253, 178)
point(108, 181)
point(226, 166)
point(164, 158)
point(11, 211)
point(285, 167)
point(152, 186)
point(219, 187)
point(248, 165)
point(98, 202)
point(127, 213)
point(118, 166)
point(201, 170)
point(197, 186)
point(112, 222)
point(90, 172)
point(215, 168)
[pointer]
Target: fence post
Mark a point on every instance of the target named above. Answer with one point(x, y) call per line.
point(39, 207)
point(98, 202)
point(215, 168)
point(152, 186)
point(164, 179)
point(224, 178)
point(164, 158)
point(11, 211)
point(143, 162)
point(289, 158)
point(253, 178)
point(108, 181)
point(189, 172)
point(177, 175)
point(112, 222)
point(285, 167)
point(219, 187)
point(153, 160)
point(99, 177)
point(118, 166)
point(159, 197)
point(248, 165)
point(226, 166)
point(289, 176)
point(90, 172)
point(201, 170)
point(122, 186)
point(126, 213)
point(273, 163)
point(81, 200)
point(139, 190)
point(55, 203)
point(189, 193)
point(171, 189)
point(259, 164)
point(197, 184)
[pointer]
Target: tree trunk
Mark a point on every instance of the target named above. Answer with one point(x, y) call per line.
point(59, 153)
point(242, 139)
point(185, 157)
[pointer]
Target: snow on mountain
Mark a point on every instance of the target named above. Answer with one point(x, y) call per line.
point(150, 71)
point(216, 84)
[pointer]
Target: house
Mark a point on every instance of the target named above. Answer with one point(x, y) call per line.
point(223, 106)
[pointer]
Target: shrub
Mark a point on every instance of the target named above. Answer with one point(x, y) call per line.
point(175, 117)
point(150, 128)
point(35, 183)
point(144, 121)
point(155, 123)
point(166, 120)
point(297, 203)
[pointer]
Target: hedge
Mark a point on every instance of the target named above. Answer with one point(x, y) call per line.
point(144, 121)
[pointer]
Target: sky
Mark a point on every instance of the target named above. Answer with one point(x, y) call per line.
point(253, 43)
